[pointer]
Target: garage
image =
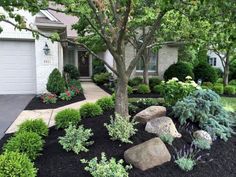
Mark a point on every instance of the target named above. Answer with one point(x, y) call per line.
point(17, 67)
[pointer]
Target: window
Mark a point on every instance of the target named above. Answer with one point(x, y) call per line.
point(152, 64)
point(212, 61)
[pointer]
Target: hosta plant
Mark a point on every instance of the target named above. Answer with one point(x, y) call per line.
point(106, 168)
point(76, 139)
point(121, 128)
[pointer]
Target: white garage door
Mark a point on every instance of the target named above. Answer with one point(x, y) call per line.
point(17, 67)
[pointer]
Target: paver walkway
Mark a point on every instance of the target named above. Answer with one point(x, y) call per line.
point(91, 92)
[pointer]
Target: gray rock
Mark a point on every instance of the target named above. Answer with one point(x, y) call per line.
point(150, 113)
point(162, 125)
point(201, 134)
point(147, 155)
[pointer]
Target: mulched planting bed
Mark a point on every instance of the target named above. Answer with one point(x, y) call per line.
point(36, 103)
point(56, 162)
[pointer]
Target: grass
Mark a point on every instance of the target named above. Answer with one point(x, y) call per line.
point(229, 103)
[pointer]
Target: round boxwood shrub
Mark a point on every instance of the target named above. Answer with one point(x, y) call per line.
point(102, 78)
point(205, 72)
point(56, 83)
point(106, 103)
point(229, 90)
point(72, 71)
point(219, 89)
point(208, 85)
point(37, 126)
point(232, 82)
point(143, 88)
point(130, 90)
point(158, 89)
point(220, 80)
point(28, 143)
point(66, 117)
point(136, 81)
point(180, 70)
point(14, 164)
point(153, 81)
point(90, 110)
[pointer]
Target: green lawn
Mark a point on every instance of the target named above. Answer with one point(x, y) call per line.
point(229, 103)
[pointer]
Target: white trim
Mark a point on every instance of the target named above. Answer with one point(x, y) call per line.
point(49, 15)
point(150, 71)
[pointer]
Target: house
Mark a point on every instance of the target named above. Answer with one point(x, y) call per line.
point(214, 60)
point(26, 62)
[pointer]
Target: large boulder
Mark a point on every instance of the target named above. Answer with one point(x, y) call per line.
point(201, 134)
point(150, 113)
point(162, 125)
point(147, 155)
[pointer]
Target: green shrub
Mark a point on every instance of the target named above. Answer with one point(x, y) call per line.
point(179, 70)
point(158, 89)
point(204, 107)
point(101, 78)
point(229, 90)
point(153, 81)
point(185, 164)
point(106, 103)
point(75, 86)
point(106, 168)
point(56, 83)
point(143, 88)
point(202, 144)
point(98, 67)
point(205, 72)
point(66, 117)
point(14, 164)
point(167, 138)
point(146, 102)
point(130, 90)
point(219, 72)
point(220, 80)
point(76, 139)
point(90, 110)
point(219, 89)
point(121, 128)
point(37, 126)
point(72, 71)
point(49, 98)
point(232, 82)
point(209, 85)
point(29, 143)
point(136, 81)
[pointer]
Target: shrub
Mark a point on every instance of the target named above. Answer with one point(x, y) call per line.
point(179, 70)
point(167, 138)
point(143, 88)
point(37, 126)
point(136, 81)
point(106, 168)
point(232, 82)
point(219, 72)
point(130, 90)
point(229, 90)
point(90, 110)
point(71, 71)
point(56, 83)
point(153, 81)
point(218, 89)
point(205, 72)
point(49, 98)
point(29, 143)
point(121, 128)
point(76, 139)
point(209, 85)
point(75, 86)
point(101, 78)
point(66, 117)
point(106, 103)
point(158, 89)
point(67, 95)
point(132, 108)
point(98, 67)
point(146, 102)
point(201, 143)
point(220, 80)
point(204, 107)
point(14, 164)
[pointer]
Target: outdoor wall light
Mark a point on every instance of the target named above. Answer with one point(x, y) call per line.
point(46, 49)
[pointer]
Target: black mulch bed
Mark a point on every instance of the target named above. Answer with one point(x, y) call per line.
point(56, 162)
point(36, 103)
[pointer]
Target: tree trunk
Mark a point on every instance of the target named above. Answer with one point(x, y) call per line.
point(226, 71)
point(121, 106)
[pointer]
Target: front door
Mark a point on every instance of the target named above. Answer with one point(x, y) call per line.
point(83, 59)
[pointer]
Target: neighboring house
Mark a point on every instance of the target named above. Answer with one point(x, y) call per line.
point(214, 60)
point(26, 62)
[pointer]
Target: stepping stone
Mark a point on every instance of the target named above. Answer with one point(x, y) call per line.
point(147, 155)
point(149, 113)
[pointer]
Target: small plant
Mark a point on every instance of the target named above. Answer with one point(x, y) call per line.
point(101, 78)
point(201, 143)
point(146, 102)
point(153, 81)
point(49, 98)
point(106, 168)
point(209, 85)
point(71, 71)
point(158, 89)
point(75, 86)
point(121, 128)
point(136, 81)
point(219, 89)
point(229, 90)
point(143, 88)
point(167, 138)
point(106, 103)
point(90, 110)
point(14, 164)
point(28, 143)
point(76, 139)
point(67, 95)
point(233, 82)
point(130, 90)
point(37, 126)
point(56, 83)
point(132, 108)
point(66, 117)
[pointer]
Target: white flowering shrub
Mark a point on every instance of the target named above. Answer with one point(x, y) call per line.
point(121, 128)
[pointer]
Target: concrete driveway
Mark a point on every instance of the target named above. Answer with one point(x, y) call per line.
point(10, 107)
